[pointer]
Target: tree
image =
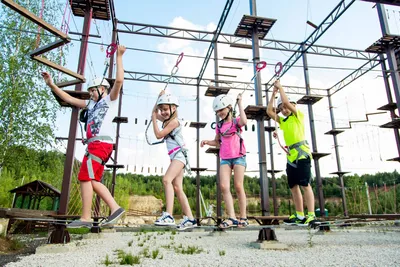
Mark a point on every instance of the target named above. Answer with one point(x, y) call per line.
point(27, 107)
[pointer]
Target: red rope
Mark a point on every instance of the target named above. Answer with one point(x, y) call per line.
point(38, 34)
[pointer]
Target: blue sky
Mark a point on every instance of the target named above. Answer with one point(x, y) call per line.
point(364, 148)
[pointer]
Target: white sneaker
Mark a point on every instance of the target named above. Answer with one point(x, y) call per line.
point(186, 223)
point(165, 220)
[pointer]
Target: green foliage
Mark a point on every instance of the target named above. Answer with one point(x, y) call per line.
point(27, 164)
point(27, 107)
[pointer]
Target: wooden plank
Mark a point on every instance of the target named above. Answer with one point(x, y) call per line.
point(25, 213)
point(68, 83)
point(48, 47)
point(60, 68)
point(32, 17)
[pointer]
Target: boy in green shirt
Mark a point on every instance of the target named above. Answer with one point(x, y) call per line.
point(299, 156)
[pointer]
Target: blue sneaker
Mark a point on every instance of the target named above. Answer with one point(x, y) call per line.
point(186, 223)
point(165, 220)
point(79, 224)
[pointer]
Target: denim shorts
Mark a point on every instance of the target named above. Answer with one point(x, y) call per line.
point(234, 161)
point(179, 156)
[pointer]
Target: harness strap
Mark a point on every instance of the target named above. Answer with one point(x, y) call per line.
point(237, 133)
point(183, 150)
point(173, 150)
point(98, 138)
point(300, 152)
point(90, 164)
point(94, 157)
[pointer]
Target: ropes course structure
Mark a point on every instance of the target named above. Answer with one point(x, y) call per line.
point(251, 29)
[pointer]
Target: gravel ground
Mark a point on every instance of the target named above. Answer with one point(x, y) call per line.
point(349, 247)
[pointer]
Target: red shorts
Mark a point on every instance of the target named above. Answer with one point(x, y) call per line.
point(101, 150)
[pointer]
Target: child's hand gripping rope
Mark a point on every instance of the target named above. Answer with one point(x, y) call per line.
point(155, 109)
point(277, 87)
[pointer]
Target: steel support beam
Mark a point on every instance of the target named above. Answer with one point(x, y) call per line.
point(192, 81)
point(390, 100)
point(230, 39)
point(337, 153)
point(218, 161)
point(262, 159)
point(69, 161)
point(313, 138)
point(221, 23)
point(366, 67)
point(316, 34)
point(271, 155)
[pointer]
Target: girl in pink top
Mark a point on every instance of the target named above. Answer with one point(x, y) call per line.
point(233, 156)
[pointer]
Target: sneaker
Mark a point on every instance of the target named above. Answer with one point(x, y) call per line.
point(165, 220)
point(310, 221)
point(186, 223)
point(294, 220)
point(113, 218)
point(79, 224)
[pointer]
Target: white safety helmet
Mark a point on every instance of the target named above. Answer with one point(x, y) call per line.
point(222, 101)
point(280, 101)
point(97, 82)
point(168, 100)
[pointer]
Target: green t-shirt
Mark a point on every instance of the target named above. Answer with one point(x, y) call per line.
point(293, 132)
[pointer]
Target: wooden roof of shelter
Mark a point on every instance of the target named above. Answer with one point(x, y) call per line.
point(37, 188)
point(101, 8)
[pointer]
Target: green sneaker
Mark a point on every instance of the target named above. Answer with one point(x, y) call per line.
point(309, 221)
point(294, 220)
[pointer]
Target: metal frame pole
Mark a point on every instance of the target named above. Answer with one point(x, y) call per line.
point(265, 209)
point(69, 160)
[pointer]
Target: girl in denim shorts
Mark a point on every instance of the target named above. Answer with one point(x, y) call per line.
point(165, 110)
point(233, 156)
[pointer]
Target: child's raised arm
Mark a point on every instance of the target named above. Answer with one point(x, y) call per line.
point(270, 109)
point(63, 95)
point(243, 117)
point(119, 79)
point(284, 98)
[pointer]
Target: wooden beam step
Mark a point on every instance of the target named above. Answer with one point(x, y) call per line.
point(60, 68)
point(48, 47)
point(32, 17)
point(68, 83)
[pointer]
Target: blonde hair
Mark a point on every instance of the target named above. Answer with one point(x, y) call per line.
point(173, 116)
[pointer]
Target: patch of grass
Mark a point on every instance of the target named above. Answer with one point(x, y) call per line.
point(141, 244)
point(189, 250)
point(155, 253)
point(310, 236)
point(78, 231)
point(107, 261)
point(130, 243)
point(145, 252)
point(15, 245)
point(222, 252)
point(173, 232)
point(127, 258)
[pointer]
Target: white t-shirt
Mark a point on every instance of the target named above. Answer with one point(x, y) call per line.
point(100, 117)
